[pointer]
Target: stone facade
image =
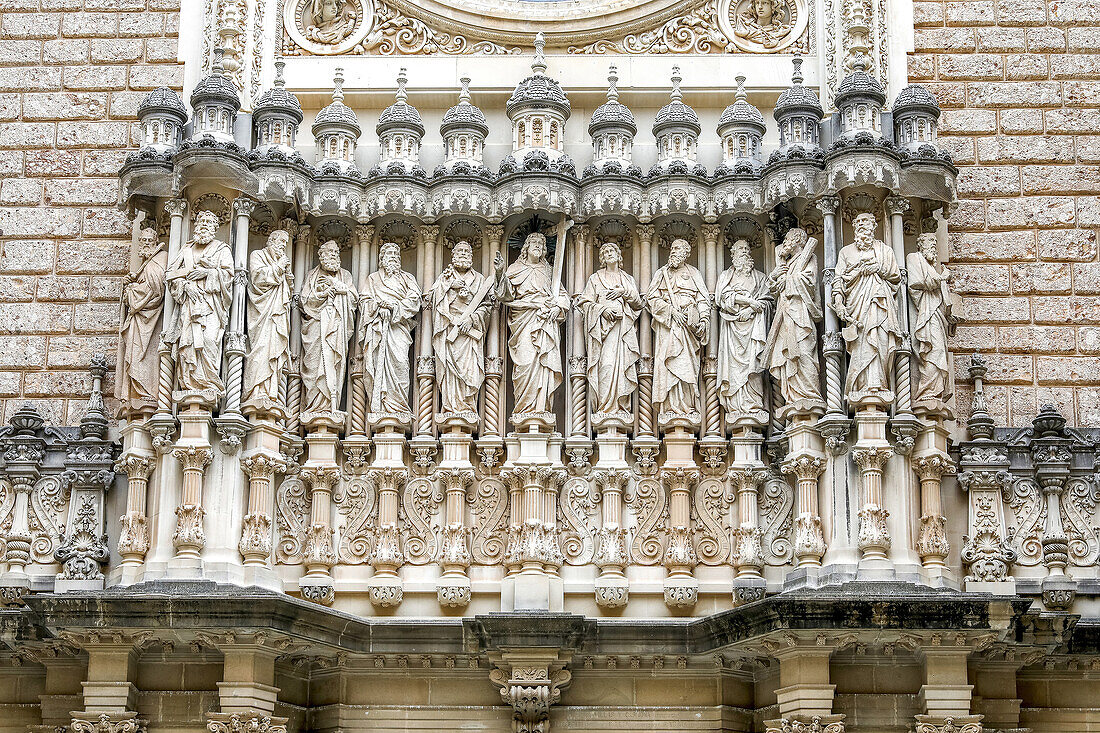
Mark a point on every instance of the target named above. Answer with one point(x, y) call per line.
point(71, 77)
point(481, 418)
point(1019, 83)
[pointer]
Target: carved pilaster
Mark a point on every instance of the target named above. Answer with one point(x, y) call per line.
point(874, 537)
point(681, 588)
point(189, 538)
point(809, 540)
point(133, 538)
point(453, 588)
point(932, 545)
point(384, 587)
point(255, 544)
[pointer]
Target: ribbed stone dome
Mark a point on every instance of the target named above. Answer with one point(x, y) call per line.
point(464, 115)
point(337, 113)
point(400, 113)
point(538, 90)
point(796, 97)
point(676, 113)
point(916, 96)
point(216, 87)
point(162, 99)
point(612, 113)
point(858, 83)
point(741, 113)
point(278, 100)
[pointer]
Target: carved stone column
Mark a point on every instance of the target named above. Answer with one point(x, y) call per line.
point(384, 587)
point(746, 475)
point(255, 544)
point(533, 553)
point(932, 545)
point(231, 424)
point(712, 445)
point(490, 446)
point(320, 556)
point(24, 452)
point(133, 536)
point(681, 587)
point(190, 538)
point(423, 444)
point(1052, 457)
point(578, 445)
point(356, 445)
point(809, 540)
point(162, 424)
point(300, 263)
point(645, 446)
point(455, 477)
point(871, 452)
point(611, 586)
point(904, 424)
point(834, 426)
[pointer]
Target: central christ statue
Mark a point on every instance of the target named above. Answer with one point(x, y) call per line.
point(536, 307)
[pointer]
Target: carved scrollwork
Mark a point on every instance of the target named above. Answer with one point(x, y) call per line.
point(649, 504)
point(291, 519)
point(420, 508)
point(356, 500)
point(776, 500)
point(488, 504)
point(576, 508)
point(712, 502)
point(48, 501)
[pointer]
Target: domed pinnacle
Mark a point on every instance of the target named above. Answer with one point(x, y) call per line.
point(338, 85)
point(741, 95)
point(796, 76)
point(464, 95)
point(538, 66)
point(402, 80)
point(612, 81)
point(279, 66)
point(676, 95)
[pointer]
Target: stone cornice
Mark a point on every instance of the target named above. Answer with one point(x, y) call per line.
point(827, 617)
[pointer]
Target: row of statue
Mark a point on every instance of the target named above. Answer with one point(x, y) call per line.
point(766, 323)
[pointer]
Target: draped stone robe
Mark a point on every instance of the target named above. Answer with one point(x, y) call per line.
point(139, 362)
point(867, 281)
point(268, 328)
point(327, 318)
point(742, 336)
point(201, 315)
point(677, 348)
point(533, 338)
point(457, 298)
point(791, 350)
point(932, 302)
point(611, 337)
point(386, 342)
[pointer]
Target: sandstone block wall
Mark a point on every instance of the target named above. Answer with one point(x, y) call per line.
point(1019, 83)
point(72, 73)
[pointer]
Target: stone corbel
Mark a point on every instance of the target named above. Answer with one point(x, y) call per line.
point(530, 682)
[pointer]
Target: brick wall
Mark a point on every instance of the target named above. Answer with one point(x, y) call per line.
point(72, 73)
point(1019, 83)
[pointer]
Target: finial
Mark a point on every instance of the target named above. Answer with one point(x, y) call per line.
point(338, 85)
point(676, 95)
point(539, 64)
point(279, 66)
point(402, 80)
point(860, 63)
point(612, 81)
point(742, 95)
point(796, 77)
point(980, 424)
point(217, 67)
point(464, 95)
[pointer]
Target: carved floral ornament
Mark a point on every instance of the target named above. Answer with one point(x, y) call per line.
point(470, 27)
